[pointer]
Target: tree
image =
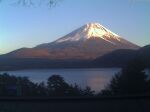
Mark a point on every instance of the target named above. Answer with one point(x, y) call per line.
point(75, 90)
point(36, 2)
point(42, 89)
point(16, 86)
point(88, 92)
point(57, 86)
point(131, 80)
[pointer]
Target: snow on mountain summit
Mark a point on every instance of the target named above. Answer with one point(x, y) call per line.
point(87, 42)
point(90, 30)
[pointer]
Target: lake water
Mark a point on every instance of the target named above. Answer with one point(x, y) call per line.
point(97, 79)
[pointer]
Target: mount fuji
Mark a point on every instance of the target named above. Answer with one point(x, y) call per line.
point(87, 42)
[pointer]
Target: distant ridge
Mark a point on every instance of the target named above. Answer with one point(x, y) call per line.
point(118, 58)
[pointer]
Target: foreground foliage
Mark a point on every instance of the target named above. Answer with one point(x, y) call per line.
point(56, 86)
point(132, 80)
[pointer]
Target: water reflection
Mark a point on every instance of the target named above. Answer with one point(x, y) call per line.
point(98, 83)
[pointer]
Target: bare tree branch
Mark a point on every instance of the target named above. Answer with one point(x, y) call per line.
point(50, 3)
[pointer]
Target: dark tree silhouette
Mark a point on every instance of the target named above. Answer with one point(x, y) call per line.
point(16, 86)
point(57, 86)
point(88, 92)
point(50, 3)
point(131, 80)
point(148, 73)
point(75, 90)
point(42, 89)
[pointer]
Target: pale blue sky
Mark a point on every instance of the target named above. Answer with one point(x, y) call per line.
point(30, 26)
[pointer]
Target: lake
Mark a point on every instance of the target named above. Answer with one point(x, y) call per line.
point(96, 78)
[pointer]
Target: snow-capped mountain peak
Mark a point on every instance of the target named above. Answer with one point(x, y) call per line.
point(88, 42)
point(90, 30)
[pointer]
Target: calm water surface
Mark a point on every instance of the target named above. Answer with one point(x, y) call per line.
point(97, 79)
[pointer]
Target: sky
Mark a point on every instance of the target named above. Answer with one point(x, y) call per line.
point(28, 26)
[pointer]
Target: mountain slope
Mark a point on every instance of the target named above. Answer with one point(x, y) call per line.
point(116, 58)
point(144, 53)
point(87, 42)
point(121, 57)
